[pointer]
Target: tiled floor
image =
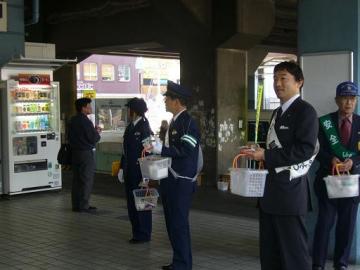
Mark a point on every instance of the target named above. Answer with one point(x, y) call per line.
point(39, 231)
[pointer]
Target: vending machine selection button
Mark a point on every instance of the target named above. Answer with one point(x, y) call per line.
point(43, 144)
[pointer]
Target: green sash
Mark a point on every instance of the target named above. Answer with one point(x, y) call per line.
point(331, 134)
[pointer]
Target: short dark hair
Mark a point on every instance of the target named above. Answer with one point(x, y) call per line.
point(183, 100)
point(81, 103)
point(292, 67)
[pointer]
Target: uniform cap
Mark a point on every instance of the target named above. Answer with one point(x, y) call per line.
point(138, 105)
point(347, 89)
point(174, 89)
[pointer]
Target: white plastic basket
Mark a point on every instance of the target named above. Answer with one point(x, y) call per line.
point(145, 199)
point(223, 186)
point(247, 182)
point(342, 186)
point(154, 167)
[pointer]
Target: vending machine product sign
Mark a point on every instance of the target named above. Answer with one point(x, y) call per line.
point(31, 134)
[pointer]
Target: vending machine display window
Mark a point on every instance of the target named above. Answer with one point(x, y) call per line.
point(33, 109)
point(25, 145)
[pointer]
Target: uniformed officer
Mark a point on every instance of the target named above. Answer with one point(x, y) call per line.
point(182, 145)
point(136, 136)
point(339, 137)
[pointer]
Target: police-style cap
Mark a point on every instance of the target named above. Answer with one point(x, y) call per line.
point(137, 105)
point(347, 89)
point(174, 89)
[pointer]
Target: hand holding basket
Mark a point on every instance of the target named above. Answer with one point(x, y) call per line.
point(341, 185)
point(245, 181)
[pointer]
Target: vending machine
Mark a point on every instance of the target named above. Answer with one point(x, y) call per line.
point(30, 132)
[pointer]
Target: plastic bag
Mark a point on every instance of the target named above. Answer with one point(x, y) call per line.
point(121, 176)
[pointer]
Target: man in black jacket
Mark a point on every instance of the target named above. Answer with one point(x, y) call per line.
point(339, 138)
point(82, 138)
point(290, 150)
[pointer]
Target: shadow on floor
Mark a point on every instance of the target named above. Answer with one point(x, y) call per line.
point(205, 199)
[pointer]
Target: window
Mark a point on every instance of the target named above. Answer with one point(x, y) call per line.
point(78, 72)
point(107, 72)
point(124, 73)
point(90, 72)
point(264, 76)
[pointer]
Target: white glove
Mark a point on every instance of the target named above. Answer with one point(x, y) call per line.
point(157, 147)
point(121, 176)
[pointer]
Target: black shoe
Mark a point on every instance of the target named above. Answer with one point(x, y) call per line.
point(316, 267)
point(90, 210)
point(136, 241)
point(167, 267)
point(341, 267)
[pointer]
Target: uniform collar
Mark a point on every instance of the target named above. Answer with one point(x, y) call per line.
point(136, 120)
point(177, 115)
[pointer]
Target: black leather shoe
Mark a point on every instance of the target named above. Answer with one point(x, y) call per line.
point(90, 210)
point(167, 267)
point(136, 241)
point(316, 267)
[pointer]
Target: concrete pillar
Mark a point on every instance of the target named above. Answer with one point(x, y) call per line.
point(12, 41)
point(66, 76)
point(337, 29)
point(197, 73)
point(231, 103)
point(232, 75)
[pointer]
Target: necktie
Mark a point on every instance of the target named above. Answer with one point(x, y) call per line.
point(278, 113)
point(345, 130)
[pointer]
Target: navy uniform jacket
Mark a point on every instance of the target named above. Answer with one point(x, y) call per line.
point(184, 138)
point(297, 131)
point(133, 146)
point(325, 154)
point(82, 133)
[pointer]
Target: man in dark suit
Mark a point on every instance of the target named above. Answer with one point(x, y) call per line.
point(339, 137)
point(182, 145)
point(82, 137)
point(290, 150)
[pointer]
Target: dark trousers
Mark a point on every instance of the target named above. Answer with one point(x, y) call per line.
point(141, 221)
point(83, 166)
point(346, 210)
point(283, 243)
point(176, 196)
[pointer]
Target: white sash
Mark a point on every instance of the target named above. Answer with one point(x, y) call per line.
point(296, 170)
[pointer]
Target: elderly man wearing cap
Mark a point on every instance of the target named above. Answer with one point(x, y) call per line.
point(136, 137)
point(339, 137)
point(182, 145)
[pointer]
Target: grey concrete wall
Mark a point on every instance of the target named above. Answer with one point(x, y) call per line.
point(198, 74)
point(231, 102)
point(12, 41)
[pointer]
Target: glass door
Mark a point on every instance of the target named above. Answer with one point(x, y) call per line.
point(33, 108)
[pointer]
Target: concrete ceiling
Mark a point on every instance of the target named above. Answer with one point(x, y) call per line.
point(55, 15)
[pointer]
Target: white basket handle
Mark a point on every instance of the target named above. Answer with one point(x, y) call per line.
point(235, 161)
